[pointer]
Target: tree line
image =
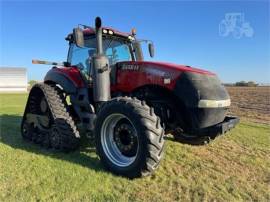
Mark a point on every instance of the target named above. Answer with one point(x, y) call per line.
point(243, 83)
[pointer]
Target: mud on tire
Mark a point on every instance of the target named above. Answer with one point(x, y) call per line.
point(137, 124)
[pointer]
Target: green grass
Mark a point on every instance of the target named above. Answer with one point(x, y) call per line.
point(234, 167)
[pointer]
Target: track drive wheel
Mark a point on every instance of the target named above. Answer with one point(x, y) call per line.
point(58, 130)
point(129, 137)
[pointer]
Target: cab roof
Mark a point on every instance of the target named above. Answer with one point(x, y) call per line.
point(91, 31)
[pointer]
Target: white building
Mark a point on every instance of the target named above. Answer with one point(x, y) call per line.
point(13, 79)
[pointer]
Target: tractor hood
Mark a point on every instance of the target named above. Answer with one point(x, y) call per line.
point(201, 91)
point(168, 66)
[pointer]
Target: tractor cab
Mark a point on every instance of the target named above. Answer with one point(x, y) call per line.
point(117, 46)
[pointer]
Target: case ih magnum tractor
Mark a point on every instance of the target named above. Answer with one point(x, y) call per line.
point(107, 90)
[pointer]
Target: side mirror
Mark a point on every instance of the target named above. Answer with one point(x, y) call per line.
point(78, 37)
point(151, 49)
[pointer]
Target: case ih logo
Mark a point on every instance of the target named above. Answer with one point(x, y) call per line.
point(130, 67)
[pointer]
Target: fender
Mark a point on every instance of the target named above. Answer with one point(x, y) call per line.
point(68, 78)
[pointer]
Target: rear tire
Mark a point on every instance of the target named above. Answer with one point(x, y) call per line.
point(129, 137)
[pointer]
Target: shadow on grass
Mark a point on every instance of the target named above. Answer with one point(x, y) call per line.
point(84, 156)
point(10, 135)
point(189, 141)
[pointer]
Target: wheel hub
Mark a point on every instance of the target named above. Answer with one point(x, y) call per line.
point(119, 140)
point(125, 139)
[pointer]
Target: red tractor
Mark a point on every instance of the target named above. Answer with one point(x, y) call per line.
point(106, 89)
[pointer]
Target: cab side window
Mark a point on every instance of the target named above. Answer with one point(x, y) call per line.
point(79, 57)
point(115, 49)
point(118, 52)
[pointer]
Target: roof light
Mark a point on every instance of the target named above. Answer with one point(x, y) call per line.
point(110, 32)
point(131, 38)
point(105, 31)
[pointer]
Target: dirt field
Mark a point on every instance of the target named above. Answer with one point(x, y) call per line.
point(251, 103)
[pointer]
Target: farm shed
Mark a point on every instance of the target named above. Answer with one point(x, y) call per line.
point(13, 79)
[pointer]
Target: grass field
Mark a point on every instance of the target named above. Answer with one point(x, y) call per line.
point(234, 167)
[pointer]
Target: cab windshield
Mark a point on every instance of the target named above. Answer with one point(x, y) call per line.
point(116, 49)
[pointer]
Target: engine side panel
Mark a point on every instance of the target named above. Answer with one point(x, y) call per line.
point(132, 75)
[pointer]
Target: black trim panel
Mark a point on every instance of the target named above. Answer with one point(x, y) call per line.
point(193, 87)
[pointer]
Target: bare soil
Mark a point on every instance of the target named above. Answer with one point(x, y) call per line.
point(251, 103)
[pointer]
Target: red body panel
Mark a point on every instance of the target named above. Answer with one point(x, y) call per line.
point(166, 65)
point(131, 75)
point(73, 74)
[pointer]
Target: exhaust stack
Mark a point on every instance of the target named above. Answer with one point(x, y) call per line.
point(101, 69)
point(99, 36)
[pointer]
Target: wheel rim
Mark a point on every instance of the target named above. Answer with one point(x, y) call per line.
point(119, 140)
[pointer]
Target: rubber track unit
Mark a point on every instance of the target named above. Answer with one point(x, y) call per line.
point(60, 119)
point(151, 133)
